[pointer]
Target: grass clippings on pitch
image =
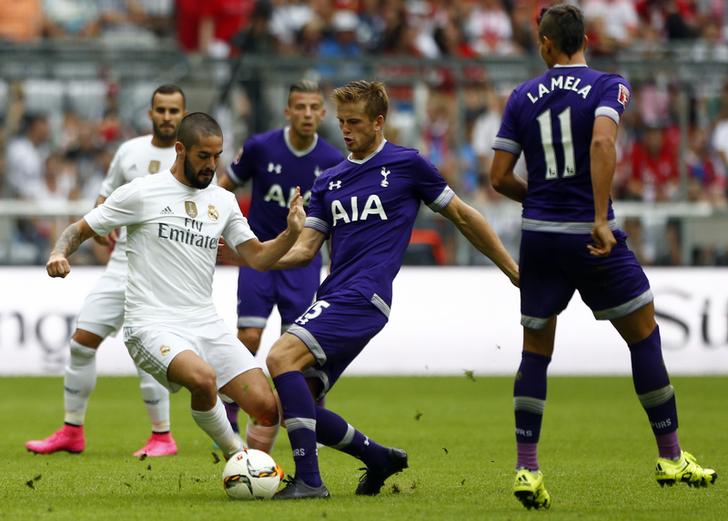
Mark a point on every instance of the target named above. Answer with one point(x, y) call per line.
point(597, 454)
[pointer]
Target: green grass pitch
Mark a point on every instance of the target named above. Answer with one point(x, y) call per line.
point(597, 453)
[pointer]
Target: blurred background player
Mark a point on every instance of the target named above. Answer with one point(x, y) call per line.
point(277, 162)
point(367, 205)
point(171, 327)
point(102, 313)
point(566, 122)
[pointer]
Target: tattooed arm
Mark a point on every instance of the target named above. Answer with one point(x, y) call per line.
point(67, 243)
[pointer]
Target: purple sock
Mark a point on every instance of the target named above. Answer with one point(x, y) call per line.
point(333, 431)
point(299, 416)
point(668, 445)
point(653, 388)
point(529, 399)
point(231, 409)
point(527, 456)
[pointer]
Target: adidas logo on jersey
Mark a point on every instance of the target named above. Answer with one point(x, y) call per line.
point(167, 211)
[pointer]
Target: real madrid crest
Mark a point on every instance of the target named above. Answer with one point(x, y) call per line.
point(164, 350)
point(191, 208)
point(212, 212)
point(154, 166)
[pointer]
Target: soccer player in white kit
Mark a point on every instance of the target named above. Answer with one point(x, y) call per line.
point(172, 330)
point(102, 313)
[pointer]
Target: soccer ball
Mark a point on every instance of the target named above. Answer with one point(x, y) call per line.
point(251, 474)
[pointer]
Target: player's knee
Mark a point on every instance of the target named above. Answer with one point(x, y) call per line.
point(250, 337)
point(265, 409)
point(276, 361)
point(87, 339)
point(202, 381)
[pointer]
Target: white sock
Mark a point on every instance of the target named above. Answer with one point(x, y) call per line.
point(156, 398)
point(261, 437)
point(215, 423)
point(78, 383)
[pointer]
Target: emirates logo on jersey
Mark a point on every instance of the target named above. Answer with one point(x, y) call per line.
point(154, 166)
point(191, 208)
point(212, 212)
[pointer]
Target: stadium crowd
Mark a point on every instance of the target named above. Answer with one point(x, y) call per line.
point(60, 150)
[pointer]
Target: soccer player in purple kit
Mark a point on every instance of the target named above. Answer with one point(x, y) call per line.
point(565, 122)
point(277, 162)
point(367, 206)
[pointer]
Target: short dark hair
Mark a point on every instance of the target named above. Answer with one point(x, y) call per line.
point(30, 119)
point(372, 93)
point(563, 24)
point(308, 86)
point(195, 125)
point(168, 88)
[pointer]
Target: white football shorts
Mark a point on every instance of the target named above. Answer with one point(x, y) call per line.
point(102, 312)
point(154, 347)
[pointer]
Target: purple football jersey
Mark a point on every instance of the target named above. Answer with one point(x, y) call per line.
point(368, 208)
point(551, 119)
point(276, 168)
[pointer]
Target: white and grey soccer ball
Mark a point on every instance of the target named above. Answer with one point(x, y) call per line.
point(251, 474)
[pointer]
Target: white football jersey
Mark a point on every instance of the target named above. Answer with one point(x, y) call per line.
point(136, 157)
point(173, 233)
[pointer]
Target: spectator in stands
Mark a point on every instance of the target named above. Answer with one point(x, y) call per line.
point(719, 139)
point(21, 21)
point(59, 181)
point(394, 23)
point(670, 253)
point(70, 18)
point(706, 172)
point(484, 132)
point(371, 24)
point(84, 152)
point(611, 24)
point(308, 39)
point(123, 24)
point(654, 175)
point(288, 19)
point(155, 15)
point(26, 157)
point(451, 41)
point(422, 19)
point(488, 27)
point(209, 26)
point(637, 241)
point(486, 128)
point(341, 44)
point(256, 38)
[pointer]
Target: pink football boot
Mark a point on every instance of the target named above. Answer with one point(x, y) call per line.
point(69, 438)
point(158, 445)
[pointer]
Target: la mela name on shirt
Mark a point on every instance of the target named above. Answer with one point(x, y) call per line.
point(563, 83)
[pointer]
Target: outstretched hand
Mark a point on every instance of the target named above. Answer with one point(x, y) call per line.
point(296, 213)
point(58, 265)
point(604, 240)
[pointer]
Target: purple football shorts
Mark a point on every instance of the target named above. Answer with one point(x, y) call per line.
point(335, 329)
point(554, 265)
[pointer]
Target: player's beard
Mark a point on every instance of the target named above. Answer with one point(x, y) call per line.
point(166, 135)
point(192, 176)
